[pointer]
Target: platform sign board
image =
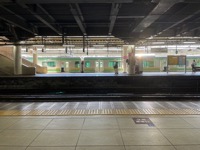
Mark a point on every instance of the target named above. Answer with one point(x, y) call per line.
point(172, 60)
point(176, 60)
point(182, 60)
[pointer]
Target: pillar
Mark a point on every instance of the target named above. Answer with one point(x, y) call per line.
point(35, 56)
point(131, 56)
point(125, 58)
point(17, 60)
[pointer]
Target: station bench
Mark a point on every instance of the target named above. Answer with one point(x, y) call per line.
point(196, 69)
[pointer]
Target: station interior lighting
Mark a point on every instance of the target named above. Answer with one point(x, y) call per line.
point(189, 42)
point(65, 45)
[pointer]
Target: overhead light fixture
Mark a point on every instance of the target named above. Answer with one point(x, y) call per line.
point(158, 42)
point(98, 45)
point(189, 42)
point(38, 45)
point(65, 45)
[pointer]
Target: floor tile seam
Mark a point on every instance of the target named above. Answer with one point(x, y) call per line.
point(12, 146)
point(35, 137)
point(48, 123)
point(121, 133)
point(160, 130)
point(100, 145)
point(198, 129)
point(80, 133)
point(53, 146)
point(164, 135)
point(147, 145)
point(186, 144)
point(174, 147)
point(7, 128)
point(189, 122)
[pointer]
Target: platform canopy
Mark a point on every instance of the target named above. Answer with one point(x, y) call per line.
point(130, 20)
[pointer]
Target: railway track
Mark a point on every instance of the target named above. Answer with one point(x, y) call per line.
point(97, 97)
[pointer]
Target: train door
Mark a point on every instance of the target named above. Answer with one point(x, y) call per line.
point(99, 66)
point(67, 66)
point(163, 65)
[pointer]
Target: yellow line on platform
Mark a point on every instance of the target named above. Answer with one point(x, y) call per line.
point(99, 112)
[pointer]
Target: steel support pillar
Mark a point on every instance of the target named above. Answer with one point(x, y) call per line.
point(35, 56)
point(131, 60)
point(17, 60)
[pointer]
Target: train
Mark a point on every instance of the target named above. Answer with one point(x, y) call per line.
point(105, 64)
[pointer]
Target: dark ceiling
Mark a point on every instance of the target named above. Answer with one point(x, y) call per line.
point(130, 20)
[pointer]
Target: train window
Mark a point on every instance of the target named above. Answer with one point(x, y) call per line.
point(148, 64)
point(44, 64)
point(87, 64)
point(77, 64)
point(111, 63)
point(97, 64)
point(67, 64)
point(101, 64)
point(49, 64)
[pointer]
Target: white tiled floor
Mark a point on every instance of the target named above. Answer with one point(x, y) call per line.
point(171, 132)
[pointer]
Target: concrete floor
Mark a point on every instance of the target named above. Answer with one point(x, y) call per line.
point(100, 132)
point(177, 132)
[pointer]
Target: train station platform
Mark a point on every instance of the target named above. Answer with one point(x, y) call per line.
point(37, 126)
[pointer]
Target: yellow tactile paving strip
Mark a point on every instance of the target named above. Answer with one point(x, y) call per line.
point(100, 112)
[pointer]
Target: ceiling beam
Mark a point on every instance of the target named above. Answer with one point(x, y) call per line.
point(190, 26)
point(160, 9)
point(80, 13)
point(191, 1)
point(47, 13)
point(66, 1)
point(130, 17)
point(78, 19)
point(15, 21)
point(47, 20)
point(193, 9)
point(10, 11)
point(12, 30)
point(113, 16)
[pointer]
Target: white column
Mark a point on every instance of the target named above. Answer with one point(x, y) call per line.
point(17, 60)
point(35, 56)
point(124, 58)
point(131, 56)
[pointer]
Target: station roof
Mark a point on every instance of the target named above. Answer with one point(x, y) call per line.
point(129, 20)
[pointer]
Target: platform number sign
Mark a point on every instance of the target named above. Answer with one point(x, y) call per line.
point(143, 121)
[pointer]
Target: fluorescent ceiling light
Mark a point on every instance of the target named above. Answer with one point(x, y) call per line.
point(189, 42)
point(65, 45)
point(158, 42)
point(144, 54)
point(38, 45)
point(98, 45)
